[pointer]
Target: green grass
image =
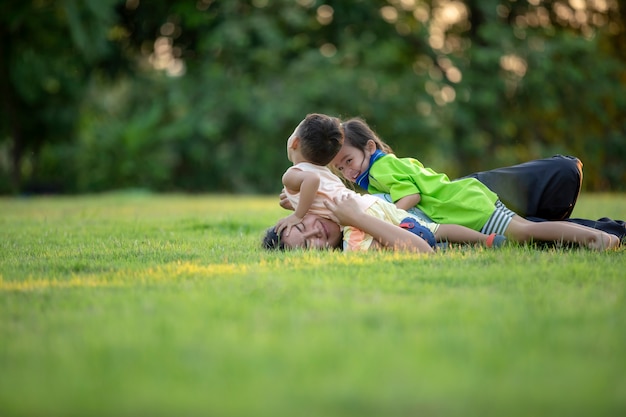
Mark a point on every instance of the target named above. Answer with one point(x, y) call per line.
point(140, 305)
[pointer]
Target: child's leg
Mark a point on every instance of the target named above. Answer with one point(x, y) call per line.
point(461, 234)
point(523, 230)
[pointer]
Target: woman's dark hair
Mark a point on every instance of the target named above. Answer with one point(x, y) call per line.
point(356, 132)
point(272, 240)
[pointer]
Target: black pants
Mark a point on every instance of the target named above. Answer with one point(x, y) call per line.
point(545, 189)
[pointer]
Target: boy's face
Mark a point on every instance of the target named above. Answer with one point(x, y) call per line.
point(351, 161)
point(314, 232)
point(290, 148)
point(291, 141)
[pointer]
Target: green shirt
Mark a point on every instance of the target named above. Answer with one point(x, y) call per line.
point(467, 202)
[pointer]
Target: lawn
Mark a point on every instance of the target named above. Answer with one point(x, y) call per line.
point(133, 304)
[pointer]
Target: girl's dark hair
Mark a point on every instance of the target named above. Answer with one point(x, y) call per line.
point(356, 133)
point(272, 240)
point(320, 138)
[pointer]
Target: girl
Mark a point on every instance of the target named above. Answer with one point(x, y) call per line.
point(369, 162)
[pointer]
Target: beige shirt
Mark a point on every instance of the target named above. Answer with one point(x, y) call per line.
point(330, 187)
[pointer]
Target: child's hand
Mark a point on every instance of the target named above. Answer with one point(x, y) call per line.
point(284, 201)
point(409, 201)
point(344, 208)
point(287, 223)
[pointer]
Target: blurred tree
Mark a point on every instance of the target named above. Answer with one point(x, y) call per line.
point(202, 95)
point(247, 74)
point(551, 84)
point(47, 53)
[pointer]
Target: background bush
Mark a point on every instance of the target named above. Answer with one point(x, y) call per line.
point(201, 96)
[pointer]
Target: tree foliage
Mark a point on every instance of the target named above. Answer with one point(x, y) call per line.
point(201, 96)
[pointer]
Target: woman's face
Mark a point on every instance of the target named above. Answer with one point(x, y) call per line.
point(351, 161)
point(314, 232)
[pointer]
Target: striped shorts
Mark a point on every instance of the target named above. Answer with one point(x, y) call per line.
point(499, 220)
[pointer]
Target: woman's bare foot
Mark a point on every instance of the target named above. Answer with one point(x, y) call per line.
point(615, 241)
point(605, 241)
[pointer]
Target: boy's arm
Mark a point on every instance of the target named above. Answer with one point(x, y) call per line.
point(409, 201)
point(386, 234)
point(307, 184)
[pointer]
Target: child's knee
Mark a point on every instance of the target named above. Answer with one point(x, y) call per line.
point(520, 231)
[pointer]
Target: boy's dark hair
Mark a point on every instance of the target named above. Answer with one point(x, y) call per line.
point(357, 133)
point(272, 240)
point(320, 138)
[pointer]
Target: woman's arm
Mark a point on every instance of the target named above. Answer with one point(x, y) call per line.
point(385, 234)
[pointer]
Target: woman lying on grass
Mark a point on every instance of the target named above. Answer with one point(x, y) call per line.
point(317, 232)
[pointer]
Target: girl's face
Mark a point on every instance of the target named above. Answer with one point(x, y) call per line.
point(351, 161)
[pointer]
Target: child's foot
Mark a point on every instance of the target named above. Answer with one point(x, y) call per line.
point(495, 241)
point(441, 246)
